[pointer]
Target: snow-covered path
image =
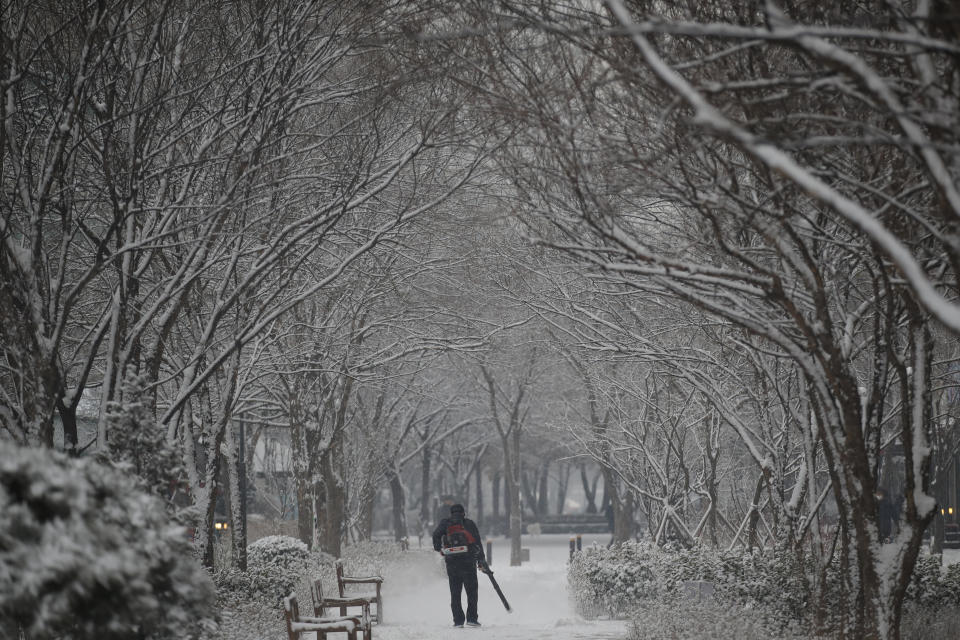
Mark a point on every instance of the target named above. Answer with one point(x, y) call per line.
point(537, 591)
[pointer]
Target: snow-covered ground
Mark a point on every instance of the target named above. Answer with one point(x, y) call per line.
point(419, 609)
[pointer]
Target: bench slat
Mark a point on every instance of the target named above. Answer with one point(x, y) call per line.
point(354, 580)
point(342, 625)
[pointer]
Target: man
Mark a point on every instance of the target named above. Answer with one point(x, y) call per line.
point(458, 539)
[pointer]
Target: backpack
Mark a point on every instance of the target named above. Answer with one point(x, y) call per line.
point(457, 540)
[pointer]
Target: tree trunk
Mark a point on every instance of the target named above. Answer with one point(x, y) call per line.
point(530, 496)
point(365, 528)
point(609, 491)
point(622, 518)
point(542, 492)
point(331, 515)
point(712, 483)
point(205, 532)
point(589, 490)
point(305, 506)
point(398, 493)
point(238, 540)
point(209, 482)
point(425, 514)
point(478, 512)
point(495, 494)
point(752, 542)
point(516, 512)
point(563, 480)
point(712, 515)
point(68, 417)
point(507, 503)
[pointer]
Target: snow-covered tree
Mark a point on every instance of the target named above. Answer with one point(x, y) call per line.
point(762, 165)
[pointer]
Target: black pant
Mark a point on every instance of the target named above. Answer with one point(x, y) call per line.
point(463, 575)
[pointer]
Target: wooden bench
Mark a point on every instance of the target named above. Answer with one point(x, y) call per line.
point(372, 598)
point(321, 604)
point(298, 625)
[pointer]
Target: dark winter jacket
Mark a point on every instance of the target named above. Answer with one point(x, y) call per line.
point(476, 549)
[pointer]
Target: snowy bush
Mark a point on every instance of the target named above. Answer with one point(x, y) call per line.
point(372, 557)
point(927, 586)
point(773, 582)
point(769, 590)
point(950, 586)
point(137, 445)
point(84, 553)
point(282, 552)
point(620, 580)
point(612, 581)
point(276, 565)
point(251, 614)
point(679, 619)
point(926, 623)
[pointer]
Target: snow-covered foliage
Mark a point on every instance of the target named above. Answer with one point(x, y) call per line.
point(933, 588)
point(375, 558)
point(933, 607)
point(619, 580)
point(680, 619)
point(251, 600)
point(136, 443)
point(924, 623)
point(275, 565)
point(84, 553)
point(284, 552)
point(769, 591)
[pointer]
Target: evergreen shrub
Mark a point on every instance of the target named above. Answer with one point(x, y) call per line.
point(617, 581)
point(276, 565)
point(374, 557)
point(769, 590)
point(85, 553)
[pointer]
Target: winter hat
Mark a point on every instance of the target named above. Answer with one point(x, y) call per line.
point(456, 510)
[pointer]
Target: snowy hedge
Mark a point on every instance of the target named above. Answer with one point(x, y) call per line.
point(275, 566)
point(633, 579)
point(376, 558)
point(617, 581)
point(84, 553)
point(282, 552)
point(932, 587)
